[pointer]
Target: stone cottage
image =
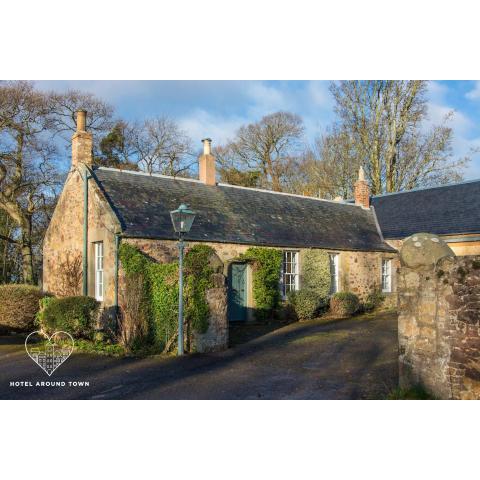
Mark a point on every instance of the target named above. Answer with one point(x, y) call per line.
point(101, 207)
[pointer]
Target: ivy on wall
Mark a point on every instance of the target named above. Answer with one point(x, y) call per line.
point(199, 280)
point(267, 264)
point(316, 272)
point(160, 287)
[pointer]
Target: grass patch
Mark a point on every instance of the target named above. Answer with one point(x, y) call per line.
point(100, 348)
point(413, 393)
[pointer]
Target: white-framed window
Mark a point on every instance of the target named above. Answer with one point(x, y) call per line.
point(334, 285)
point(386, 275)
point(99, 271)
point(290, 273)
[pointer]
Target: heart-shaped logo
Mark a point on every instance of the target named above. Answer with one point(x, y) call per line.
point(49, 352)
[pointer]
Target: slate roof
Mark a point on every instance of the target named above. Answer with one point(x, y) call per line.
point(448, 210)
point(230, 214)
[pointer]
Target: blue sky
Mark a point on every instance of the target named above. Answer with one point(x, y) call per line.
point(217, 108)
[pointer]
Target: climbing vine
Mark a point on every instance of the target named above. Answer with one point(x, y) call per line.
point(160, 288)
point(267, 263)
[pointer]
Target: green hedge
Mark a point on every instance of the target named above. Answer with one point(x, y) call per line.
point(74, 315)
point(344, 304)
point(267, 264)
point(19, 305)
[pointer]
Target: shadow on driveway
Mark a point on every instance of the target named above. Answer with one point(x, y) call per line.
point(344, 359)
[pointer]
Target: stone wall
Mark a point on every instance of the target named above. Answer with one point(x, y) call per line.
point(64, 236)
point(360, 272)
point(438, 323)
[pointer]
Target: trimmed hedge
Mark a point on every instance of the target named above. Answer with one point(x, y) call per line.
point(306, 303)
point(74, 315)
point(344, 304)
point(19, 305)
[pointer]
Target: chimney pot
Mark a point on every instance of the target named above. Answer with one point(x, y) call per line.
point(81, 120)
point(207, 146)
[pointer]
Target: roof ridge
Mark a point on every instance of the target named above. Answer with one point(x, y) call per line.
point(286, 193)
point(194, 180)
point(133, 172)
point(421, 189)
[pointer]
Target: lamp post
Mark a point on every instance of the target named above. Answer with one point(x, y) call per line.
point(182, 220)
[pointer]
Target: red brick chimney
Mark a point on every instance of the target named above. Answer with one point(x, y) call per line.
point(82, 142)
point(362, 190)
point(206, 164)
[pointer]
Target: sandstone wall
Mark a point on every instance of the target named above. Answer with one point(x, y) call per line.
point(64, 236)
point(360, 272)
point(439, 332)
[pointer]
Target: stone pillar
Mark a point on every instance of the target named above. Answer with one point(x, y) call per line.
point(438, 322)
point(216, 337)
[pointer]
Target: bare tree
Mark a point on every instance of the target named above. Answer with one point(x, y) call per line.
point(162, 146)
point(65, 105)
point(384, 123)
point(269, 146)
point(329, 168)
point(27, 173)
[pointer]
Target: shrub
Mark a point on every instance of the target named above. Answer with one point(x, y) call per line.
point(344, 304)
point(18, 306)
point(74, 315)
point(306, 303)
point(374, 300)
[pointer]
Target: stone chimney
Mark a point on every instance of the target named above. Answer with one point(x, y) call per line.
point(362, 190)
point(206, 164)
point(82, 142)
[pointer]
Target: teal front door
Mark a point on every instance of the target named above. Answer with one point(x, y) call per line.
point(237, 292)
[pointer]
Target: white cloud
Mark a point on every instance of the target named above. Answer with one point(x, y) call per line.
point(200, 124)
point(319, 94)
point(460, 123)
point(474, 94)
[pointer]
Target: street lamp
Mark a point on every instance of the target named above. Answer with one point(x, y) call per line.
point(182, 220)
